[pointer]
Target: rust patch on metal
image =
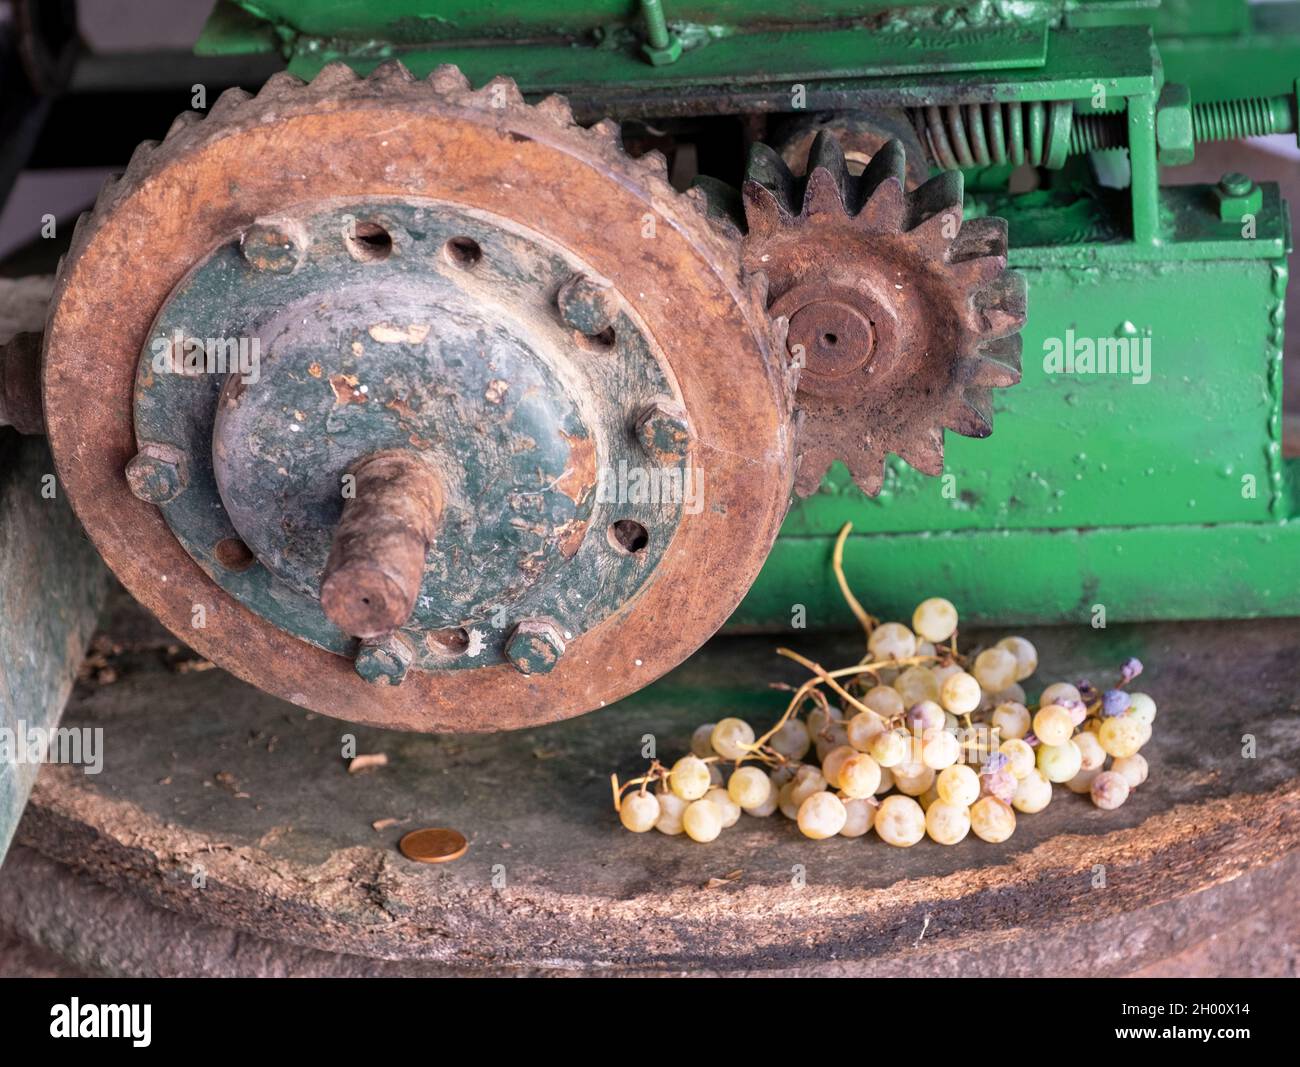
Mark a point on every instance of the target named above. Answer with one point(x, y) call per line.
point(347, 389)
point(569, 537)
point(579, 476)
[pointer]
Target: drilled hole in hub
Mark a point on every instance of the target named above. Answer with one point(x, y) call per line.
point(830, 340)
point(453, 641)
point(629, 536)
point(369, 242)
point(597, 342)
point(233, 554)
point(464, 252)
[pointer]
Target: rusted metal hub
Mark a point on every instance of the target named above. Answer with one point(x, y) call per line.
point(559, 405)
point(405, 433)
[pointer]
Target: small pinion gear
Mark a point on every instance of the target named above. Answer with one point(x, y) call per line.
point(902, 318)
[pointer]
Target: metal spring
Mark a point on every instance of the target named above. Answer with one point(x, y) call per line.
point(980, 135)
point(1045, 134)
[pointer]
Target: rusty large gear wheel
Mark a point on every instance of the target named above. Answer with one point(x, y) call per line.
point(436, 145)
point(902, 316)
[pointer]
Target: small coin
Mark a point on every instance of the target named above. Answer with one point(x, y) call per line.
point(434, 845)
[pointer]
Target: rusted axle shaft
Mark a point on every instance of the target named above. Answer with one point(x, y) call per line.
point(376, 562)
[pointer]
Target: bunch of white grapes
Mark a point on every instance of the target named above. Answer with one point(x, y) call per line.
point(910, 762)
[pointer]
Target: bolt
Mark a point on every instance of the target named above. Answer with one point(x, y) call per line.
point(275, 245)
point(663, 431)
point(587, 305)
point(535, 646)
point(1235, 184)
point(157, 473)
point(376, 562)
point(385, 660)
point(1238, 197)
point(661, 46)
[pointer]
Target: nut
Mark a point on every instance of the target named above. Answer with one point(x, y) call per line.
point(1238, 197)
point(157, 473)
point(669, 53)
point(1175, 136)
point(385, 660)
point(663, 431)
point(587, 305)
point(535, 646)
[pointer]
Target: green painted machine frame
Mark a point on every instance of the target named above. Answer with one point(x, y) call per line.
point(1099, 492)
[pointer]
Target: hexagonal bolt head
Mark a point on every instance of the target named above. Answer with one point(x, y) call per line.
point(1238, 197)
point(587, 305)
point(664, 432)
point(671, 52)
point(385, 660)
point(157, 473)
point(535, 646)
point(1175, 135)
point(275, 245)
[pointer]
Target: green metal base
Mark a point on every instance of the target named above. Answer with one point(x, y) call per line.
point(1036, 576)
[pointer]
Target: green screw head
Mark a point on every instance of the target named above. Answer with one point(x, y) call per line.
point(157, 473)
point(535, 646)
point(663, 431)
point(384, 660)
point(274, 245)
point(587, 305)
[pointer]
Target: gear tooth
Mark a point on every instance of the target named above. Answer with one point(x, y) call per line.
point(139, 160)
point(1005, 353)
point(975, 274)
point(889, 162)
point(609, 131)
point(765, 212)
point(78, 232)
point(107, 192)
point(868, 470)
point(1000, 309)
point(447, 78)
point(996, 364)
point(390, 72)
point(766, 168)
point(980, 239)
point(769, 195)
point(885, 209)
point(971, 414)
point(780, 324)
point(942, 194)
point(332, 76)
point(501, 91)
point(280, 85)
point(824, 194)
point(228, 103)
point(924, 453)
point(655, 162)
point(828, 174)
point(720, 202)
point(934, 235)
point(813, 465)
point(182, 122)
point(556, 108)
